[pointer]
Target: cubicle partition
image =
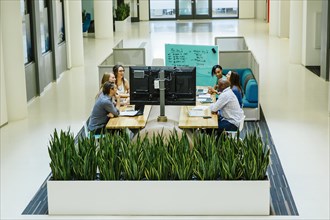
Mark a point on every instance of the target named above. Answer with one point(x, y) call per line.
point(124, 56)
point(230, 43)
point(242, 60)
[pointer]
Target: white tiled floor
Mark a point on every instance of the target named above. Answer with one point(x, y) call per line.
point(293, 99)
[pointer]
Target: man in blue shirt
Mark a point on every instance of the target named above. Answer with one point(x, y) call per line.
point(231, 112)
point(104, 108)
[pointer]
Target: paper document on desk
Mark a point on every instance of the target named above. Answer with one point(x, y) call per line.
point(208, 100)
point(200, 108)
point(194, 113)
point(205, 96)
point(201, 91)
point(128, 113)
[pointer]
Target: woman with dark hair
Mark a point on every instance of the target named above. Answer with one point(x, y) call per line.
point(235, 85)
point(217, 71)
point(122, 83)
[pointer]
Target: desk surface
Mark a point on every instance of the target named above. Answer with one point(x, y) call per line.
point(136, 122)
point(187, 122)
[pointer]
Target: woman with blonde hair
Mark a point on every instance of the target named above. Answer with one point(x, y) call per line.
point(107, 77)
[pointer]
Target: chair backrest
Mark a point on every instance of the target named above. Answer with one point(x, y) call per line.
point(86, 129)
point(240, 128)
point(88, 133)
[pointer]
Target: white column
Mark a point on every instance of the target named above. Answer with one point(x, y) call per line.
point(144, 10)
point(284, 19)
point(74, 35)
point(261, 8)
point(311, 33)
point(13, 60)
point(325, 40)
point(273, 17)
point(3, 99)
point(246, 9)
point(296, 18)
point(103, 18)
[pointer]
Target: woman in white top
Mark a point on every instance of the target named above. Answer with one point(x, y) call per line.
point(122, 84)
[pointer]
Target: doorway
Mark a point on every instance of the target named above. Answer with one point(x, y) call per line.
point(193, 9)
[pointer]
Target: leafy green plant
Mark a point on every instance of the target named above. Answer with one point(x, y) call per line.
point(131, 158)
point(61, 149)
point(230, 163)
point(180, 157)
point(84, 161)
point(122, 11)
point(206, 152)
point(255, 157)
point(108, 155)
point(159, 158)
point(154, 154)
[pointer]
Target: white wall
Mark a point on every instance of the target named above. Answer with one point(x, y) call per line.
point(246, 9)
point(74, 35)
point(284, 19)
point(144, 10)
point(261, 8)
point(279, 19)
point(310, 54)
point(273, 18)
point(103, 19)
point(296, 17)
point(3, 99)
point(12, 69)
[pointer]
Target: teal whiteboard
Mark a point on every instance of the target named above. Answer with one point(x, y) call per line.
point(202, 56)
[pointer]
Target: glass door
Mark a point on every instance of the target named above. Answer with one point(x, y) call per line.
point(193, 9)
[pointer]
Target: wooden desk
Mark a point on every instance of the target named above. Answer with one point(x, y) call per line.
point(136, 122)
point(187, 122)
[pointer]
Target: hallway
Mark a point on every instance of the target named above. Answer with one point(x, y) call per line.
point(293, 99)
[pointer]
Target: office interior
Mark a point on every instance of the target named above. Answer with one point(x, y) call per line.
point(56, 87)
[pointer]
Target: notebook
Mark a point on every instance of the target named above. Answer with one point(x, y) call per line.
point(128, 113)
point(207, 100)
point(195, 113)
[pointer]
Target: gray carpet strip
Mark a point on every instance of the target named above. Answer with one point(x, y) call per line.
point(282, 202)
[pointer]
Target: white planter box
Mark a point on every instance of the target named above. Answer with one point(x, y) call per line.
point(158, 197)
point(121, 26)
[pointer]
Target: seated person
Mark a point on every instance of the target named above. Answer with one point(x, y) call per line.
point(216, 70)
point(235, 85)
point(122, 84)
point(104, 108)
point(231, 113)
point(107, 77)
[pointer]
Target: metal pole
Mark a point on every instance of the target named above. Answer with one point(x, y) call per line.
point(162, 117)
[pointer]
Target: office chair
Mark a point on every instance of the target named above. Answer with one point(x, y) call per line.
point(233, 134)
point(88, 133)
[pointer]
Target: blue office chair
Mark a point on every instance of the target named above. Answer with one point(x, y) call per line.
point(87, 22)
point(88, 133)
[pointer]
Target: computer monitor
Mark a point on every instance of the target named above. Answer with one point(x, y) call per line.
point(180, 85)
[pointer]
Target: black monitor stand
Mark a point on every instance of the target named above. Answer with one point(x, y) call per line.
point(162, 117)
